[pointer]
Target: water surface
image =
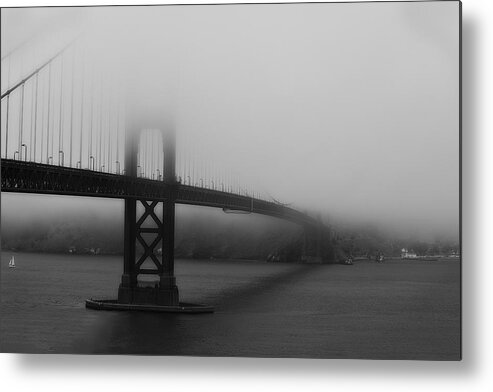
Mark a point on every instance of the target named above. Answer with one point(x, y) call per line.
point(394, 310)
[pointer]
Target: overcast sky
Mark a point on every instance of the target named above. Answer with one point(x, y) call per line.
point(349, 109)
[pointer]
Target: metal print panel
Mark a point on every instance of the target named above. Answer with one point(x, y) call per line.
point(259, 180)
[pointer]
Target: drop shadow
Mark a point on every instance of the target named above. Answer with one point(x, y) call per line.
point(33, 364)
point(240, 367)
point(471, 214)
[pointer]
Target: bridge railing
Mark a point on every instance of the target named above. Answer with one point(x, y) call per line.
point(29, 177)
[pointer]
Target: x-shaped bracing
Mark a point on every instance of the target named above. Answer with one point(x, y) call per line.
point(149, 249)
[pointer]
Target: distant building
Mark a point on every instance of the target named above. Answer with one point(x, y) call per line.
point(408, 254)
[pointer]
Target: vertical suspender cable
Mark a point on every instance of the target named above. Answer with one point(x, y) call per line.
point(109, 133)
point(100, 125)
point(89, 150)
point(154, 155)
point(117, 138)
point(7, 126)
point(60, 133)
point(43, 96)
point(21, 122)
point(185, 159)
point(193, 166)
point(147, 153)
point(31, 122)
point(53, 121)
point(124, 127)
point(150, 158)
point(7, 115)
point(151, 153)
point(81, 113)
point(72, 107)
point(35, 118)
point(189, 162)
point(48, 121)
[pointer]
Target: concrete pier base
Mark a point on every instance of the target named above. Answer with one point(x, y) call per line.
point(153, 293)
point(181, 307)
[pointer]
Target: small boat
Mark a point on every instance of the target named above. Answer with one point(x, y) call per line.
point(12, 262)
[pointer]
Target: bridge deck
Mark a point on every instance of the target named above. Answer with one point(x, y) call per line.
point(30, 177)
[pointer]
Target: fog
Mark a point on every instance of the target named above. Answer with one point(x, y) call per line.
point(349, 110)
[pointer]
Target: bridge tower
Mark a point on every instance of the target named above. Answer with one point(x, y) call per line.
point(317, 245)
point(163, 291)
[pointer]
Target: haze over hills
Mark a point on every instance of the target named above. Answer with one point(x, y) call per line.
point(96, 225)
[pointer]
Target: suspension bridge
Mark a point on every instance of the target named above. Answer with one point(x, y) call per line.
point(65, 130)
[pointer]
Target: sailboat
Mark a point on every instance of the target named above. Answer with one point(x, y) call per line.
point(12, 262)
